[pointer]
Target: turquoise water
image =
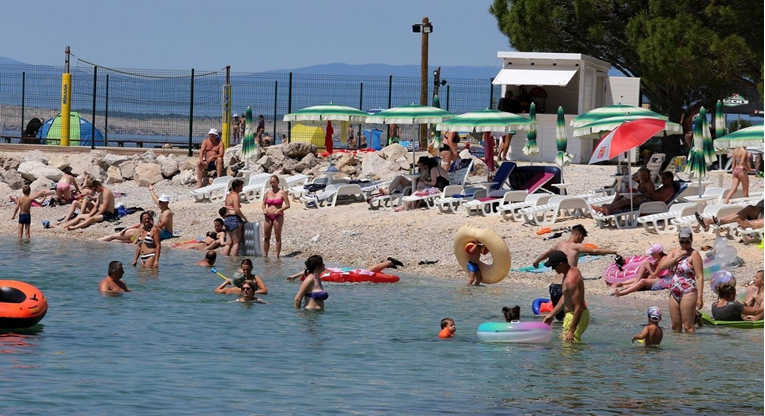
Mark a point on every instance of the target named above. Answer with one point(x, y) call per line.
point(174, 347)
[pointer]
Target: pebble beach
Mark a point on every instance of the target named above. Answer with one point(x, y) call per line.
point(354, 235)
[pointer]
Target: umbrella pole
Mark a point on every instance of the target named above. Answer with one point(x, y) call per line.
point(629, 181)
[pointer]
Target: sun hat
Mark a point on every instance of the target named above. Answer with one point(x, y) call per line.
point(654, 314)
point(212, 132)
point(655, 248)
point(164, 198)
point(555, 258)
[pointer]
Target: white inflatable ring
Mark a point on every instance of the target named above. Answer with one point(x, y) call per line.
point(490, 273)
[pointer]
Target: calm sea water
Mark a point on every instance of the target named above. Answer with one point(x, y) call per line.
point(174, 347)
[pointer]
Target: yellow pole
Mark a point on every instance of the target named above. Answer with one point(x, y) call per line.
point(66, 100)
point(226, 125)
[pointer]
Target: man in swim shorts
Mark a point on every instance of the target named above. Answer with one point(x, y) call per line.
point(577, 316)
point(573, 248)
point(210, 156)
point(113, 280)
point(104, 210)
point(165, 223)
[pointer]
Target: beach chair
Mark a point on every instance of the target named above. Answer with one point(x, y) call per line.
point(491, 203)
point(332, 194)
point(215, 190)
point(749, 235)
point(430, 195)
point(500, 179)
point(453, 196)
point(388, 201)
point(654, 166)
point(714, 210)
point(537, 182)
point(661, 223)
point(511, 212)
point(558, 205)
point(628, 219)
point(254, 188)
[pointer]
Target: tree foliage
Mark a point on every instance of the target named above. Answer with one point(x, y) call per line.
point(686, 52)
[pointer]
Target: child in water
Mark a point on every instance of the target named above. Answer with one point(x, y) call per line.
point(512, 314)
point(652, 333)
point(475, 249)
point(447, 328)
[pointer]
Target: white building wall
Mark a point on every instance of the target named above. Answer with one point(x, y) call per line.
point(622, 90)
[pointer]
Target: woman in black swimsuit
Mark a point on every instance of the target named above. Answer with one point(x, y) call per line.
point(148, 246)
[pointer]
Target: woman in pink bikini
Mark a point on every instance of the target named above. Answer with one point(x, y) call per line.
point(741, 166)
point(275, 202)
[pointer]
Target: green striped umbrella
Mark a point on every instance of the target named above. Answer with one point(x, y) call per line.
point(320, 114)
point(618, 110)
point(719, 120)
point(697, 164)
point(485, 120)
point(249, 145)
point(706, 138)
point(561, 141)
point(750, 136)
point(410, 114)
point(530, 149)
point(594, 129)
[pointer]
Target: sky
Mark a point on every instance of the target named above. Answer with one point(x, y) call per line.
point(249, 36)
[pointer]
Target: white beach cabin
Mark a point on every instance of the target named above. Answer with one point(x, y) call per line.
point(577, 82)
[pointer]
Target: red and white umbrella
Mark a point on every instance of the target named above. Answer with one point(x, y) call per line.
point(626, 136)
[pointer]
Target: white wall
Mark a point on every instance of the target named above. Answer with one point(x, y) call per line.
point(622, 90)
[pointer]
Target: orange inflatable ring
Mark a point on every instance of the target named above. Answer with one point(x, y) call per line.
point(21, 305)
point(500, 266)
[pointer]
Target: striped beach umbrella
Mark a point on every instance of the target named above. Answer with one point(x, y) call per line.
point(561, 141)
point(719, 120)
point(490, 120)
point(320, 114)
point(697, 164)
point(249, 145)
point(706, 138)
point(410, 114)
point(594, 129)
point(617, 110)
point(750, 136)
point(530, 149)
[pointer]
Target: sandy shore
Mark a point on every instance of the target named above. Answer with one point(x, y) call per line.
point(354, 235)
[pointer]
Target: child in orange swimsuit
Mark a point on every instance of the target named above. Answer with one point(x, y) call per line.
point(447, 328)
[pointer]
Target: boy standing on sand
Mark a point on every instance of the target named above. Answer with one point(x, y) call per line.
point(652, 333)
point(24, 208)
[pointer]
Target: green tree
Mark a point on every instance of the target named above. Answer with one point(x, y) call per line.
point(686, 52)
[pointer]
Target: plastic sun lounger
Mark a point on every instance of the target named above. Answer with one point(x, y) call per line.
point(661, 223)
point(749, 235)
point(546, 214)
point(511, 212)
point(449, 203)
point(628, 219)
point(256, 186)
point(537, 182)
point(716, 210)
point(431, 198)
point(483, 206)
point(207, 193)
point(299, 190)
point(332, 193)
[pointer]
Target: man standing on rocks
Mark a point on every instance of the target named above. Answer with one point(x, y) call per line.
point(210, 156)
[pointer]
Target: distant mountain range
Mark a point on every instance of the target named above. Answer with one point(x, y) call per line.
point(9, 61)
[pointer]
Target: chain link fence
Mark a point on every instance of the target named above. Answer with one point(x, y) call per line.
point(152, 108)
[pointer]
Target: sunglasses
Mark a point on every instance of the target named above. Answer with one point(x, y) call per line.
point(246, 288)
point(684, 241)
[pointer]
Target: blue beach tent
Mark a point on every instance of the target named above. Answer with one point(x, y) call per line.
point(81, 131)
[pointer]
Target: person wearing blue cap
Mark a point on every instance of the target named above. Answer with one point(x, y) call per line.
point(652, 334)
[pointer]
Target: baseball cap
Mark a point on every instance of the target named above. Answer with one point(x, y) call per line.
point(164, 198)
point(685, 232)
point(213, 132)
point(556, 257)
point(654, 314)
point(656, 248)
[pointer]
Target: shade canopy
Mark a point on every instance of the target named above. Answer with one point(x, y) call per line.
point(320, 114)
point(410, 114)
point(750, 136)
point(490, 120)
point(617, 110)
point(541, 77)
point(625, 137)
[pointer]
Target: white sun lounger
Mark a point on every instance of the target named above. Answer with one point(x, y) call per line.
point(559, 205)
point(333, 193)
point(716, 210)
point(511, 212)
point(661, 223)
point(491, 204)
point(215, 190)
point(448, 203)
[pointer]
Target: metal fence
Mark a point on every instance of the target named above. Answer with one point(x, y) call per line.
point(152, 108)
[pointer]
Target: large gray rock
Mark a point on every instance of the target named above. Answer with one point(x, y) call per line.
point(113, 175)
point(232, 155)
point(169, 166)
point(147, 173)
point(36, 155)
point(96, 171)
point(11, 163)
point(297, 150)
point(345, 159)
point(5, 190)
point(59, 161)
point(372, 164)
point(78, 165)
point(127, 169)
point(186, 177)
point(40, 184)
point(404, 163)
point(97, 157)
point(12, 178)
point(148, 157)
point(265, 162)
point(276, 154)
point(288, 166)
point(112, 160)
point(32, 170)
point(188, 163)
point(393, 151)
